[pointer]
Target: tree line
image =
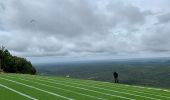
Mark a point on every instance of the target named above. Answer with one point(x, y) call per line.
point(14, 64)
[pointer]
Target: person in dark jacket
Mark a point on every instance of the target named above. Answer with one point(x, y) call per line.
point(115, 75)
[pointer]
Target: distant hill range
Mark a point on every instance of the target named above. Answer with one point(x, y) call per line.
point(147, 72)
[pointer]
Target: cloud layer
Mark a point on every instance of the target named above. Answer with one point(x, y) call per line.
point(83, 27)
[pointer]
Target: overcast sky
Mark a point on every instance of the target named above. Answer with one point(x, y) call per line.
point(85, 28)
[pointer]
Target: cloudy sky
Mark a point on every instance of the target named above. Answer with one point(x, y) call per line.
point(85, 28)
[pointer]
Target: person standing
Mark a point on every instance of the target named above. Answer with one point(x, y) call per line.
point(115, 75)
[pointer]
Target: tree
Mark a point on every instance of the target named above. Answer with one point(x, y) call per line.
point(2, 49)
point(14, 64)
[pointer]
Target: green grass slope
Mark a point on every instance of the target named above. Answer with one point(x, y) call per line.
point(34, 87)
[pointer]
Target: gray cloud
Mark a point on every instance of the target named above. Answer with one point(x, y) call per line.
point(126, 13)
point(80, 28)
point(165, 18)
point(158, 39)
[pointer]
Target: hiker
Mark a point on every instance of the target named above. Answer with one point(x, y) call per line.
point(115, 74)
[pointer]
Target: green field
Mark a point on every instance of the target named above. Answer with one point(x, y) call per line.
point(34, 87)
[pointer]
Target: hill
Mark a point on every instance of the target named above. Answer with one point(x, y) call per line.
point(34, 87)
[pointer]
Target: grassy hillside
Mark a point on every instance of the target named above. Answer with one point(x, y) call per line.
point(34, 87)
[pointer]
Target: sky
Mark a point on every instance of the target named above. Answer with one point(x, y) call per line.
point(85, 28)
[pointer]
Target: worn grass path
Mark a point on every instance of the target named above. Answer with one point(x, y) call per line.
point(34, 87)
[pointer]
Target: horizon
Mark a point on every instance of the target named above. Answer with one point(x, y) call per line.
point(51, 60)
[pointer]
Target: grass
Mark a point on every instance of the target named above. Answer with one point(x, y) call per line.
point(34, 87)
